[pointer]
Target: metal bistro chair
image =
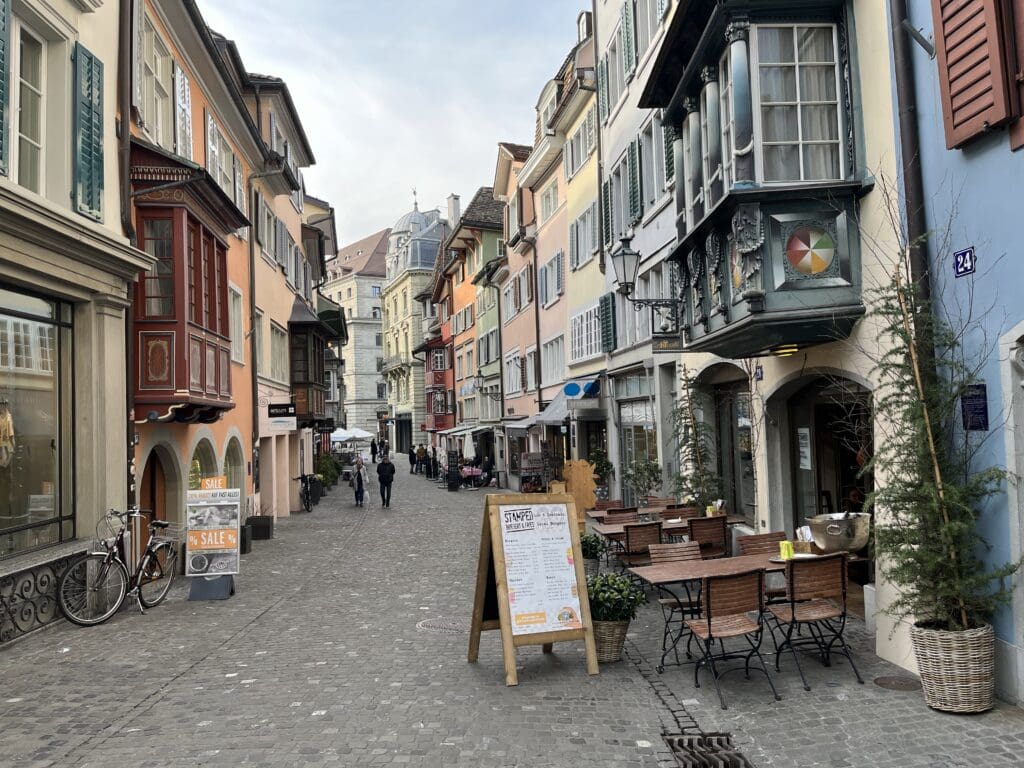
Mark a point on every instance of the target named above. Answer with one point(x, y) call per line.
point(639, 536)
point(619, 516)
point(727, 603)
point(816, 600)
point(711, 533)
point(766, 544)
point(676, 608)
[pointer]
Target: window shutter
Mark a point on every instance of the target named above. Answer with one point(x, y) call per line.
point(211, 145)
point(5, 68)
point(182, 114)
point(633, 171)
point(973, 74)
point(88, 133)
point(606, 211)
point(522, 372)
point(272, 127)
point(138, 9)
point(606, 311)
point(670, 135)
point(591, 130)
point(560, 273)
point(602, 88)
point(574, 250)
point(257, 224)
point(529, 282)
point(628, 40)
point(1017, 128)
point(567, 159)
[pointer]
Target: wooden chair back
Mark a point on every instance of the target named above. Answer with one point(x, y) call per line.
point(660, 501)
point(761, 543)
point(622, 515)
point(608, 504)
point(682, 511)
point(818, 578)
point(639, 536)
point(732, 595)
point(674, 553)
point(710, 533)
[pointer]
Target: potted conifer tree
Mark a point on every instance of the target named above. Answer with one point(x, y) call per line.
point(932, 487)
point(697, 484)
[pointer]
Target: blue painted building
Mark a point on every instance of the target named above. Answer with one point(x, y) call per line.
point(968, 118)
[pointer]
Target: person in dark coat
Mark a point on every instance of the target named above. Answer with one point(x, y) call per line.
point(386, 476)
point(373, 451)
point(412, 460)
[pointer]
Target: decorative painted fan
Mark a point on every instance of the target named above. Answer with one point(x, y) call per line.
point(810, 250)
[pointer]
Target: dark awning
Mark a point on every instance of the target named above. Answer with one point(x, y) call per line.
point(303, 317)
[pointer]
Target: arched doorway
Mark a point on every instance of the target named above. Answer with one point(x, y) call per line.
point(234, 468)
point(154, 495)
point(202, 466)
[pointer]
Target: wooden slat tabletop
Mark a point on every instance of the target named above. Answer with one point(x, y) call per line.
point(690, 570)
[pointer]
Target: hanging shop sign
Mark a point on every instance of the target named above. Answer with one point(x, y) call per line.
point(974, 408)
point(212, 517)
point(530, 583)
point(282, 416)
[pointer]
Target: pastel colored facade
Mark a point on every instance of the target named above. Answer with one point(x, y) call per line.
point(438, 354)
point(67, 274)
point(519, 320)
point(356, 282)
point(412, 250)
point(971, 208)
point(778, 249)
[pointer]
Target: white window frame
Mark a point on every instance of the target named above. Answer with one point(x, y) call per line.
point(585, 328)
point(261, 353)
point(19, 27)
point(158, 97)
point(726, 119)
point(510, 368)
point(236, 322)
point(552, 361)
point(755, 98)
point(530, 361)
point(548, 201)
point(280, 363)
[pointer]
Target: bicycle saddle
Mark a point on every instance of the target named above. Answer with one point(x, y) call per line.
point(159, 524)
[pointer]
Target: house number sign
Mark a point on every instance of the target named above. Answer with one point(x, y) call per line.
point(964, 262)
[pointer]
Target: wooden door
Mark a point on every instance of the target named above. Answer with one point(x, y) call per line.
point(152, 497)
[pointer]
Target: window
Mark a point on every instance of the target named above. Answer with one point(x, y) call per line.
point(458, 367)
point(237, 326)
point(278, 354)
point(797, 88)
point(382, 391)
point(512, 375)
point(268, 229)
point(585, 330)
point(159, 282)
point(725, 117)
point(647, 18)
point(579, 146)
point(548, 201)
point(583, 238)
point(29, 104)
point(261, 354)
point(551, 280)
point(378, 339)
point(157, 88)
point(512, 223)
point(711, 163)
point(439, 359)
point(470, 369)
point(509, 297)
point(332, 387)
point(530, 364)
point(552, 361)
point(375, 291)
point(375, 313)
point(348, 292)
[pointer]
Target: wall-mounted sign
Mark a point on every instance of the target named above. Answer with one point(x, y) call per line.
point(803, 440)
point(974, 408)
point(964, 262)
point(282, 416)
point(580, 389)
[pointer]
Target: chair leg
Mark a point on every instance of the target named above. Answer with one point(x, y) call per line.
point(714, 671)
point(796, 657)
point(764, 668)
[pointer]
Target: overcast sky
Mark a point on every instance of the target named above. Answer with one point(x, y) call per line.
point(402, 94)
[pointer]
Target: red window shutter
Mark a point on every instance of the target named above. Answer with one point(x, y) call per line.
point(1017, 74)
point(970, 38)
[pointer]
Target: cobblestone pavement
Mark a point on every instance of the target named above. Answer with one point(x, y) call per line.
point(318, 661)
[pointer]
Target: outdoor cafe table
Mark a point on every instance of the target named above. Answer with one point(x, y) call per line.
point(664, 575)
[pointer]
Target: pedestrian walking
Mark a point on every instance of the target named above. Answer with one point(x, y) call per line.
point(412, 460)
point(359, 480)
point(386, 476)
point(373, 451)
point(421, 459)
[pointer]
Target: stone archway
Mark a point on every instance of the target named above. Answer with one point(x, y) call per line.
point(161, 490)
point(234, 468)
point(202, 465)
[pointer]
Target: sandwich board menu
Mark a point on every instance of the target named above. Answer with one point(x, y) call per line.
point(530, 582)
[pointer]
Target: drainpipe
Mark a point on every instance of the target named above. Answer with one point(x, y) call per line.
point(910, 149)
point(124, 149)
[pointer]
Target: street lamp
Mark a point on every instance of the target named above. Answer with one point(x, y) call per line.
point(478, 381)
point(664, 312)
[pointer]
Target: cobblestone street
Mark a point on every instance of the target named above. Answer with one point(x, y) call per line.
point(318, 661)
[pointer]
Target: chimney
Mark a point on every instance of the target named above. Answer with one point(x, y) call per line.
point(454, 211)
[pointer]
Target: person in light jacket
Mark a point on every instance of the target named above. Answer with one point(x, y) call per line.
point(359, 481)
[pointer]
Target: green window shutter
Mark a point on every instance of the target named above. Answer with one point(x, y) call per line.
point(88, 133)
point(671, 135)
point(606, 211)
point(602, 88)
point(574, 256)
point(633, 169)
point(606, 312)
point(593, 228)
point(5, 71)
point(628, 40)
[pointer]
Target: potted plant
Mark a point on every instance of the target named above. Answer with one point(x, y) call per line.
point(593, 546)
point(643, 476)
point(935, 485)
point(603, 470)
point(697, 483)
point(614, 600)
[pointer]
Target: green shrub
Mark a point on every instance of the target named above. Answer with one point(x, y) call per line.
point(325, 467)
point(593, 546)
point(613, 597)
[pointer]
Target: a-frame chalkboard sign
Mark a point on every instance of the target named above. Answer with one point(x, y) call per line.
point(529, 582)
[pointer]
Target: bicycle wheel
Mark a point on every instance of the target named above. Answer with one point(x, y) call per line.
point(306, 502)
point(156, 573)
point(92, 589)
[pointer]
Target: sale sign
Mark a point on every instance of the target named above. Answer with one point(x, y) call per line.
point(213, 516)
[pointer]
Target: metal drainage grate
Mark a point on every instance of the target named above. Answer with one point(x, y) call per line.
point(445, 625)
point(898, 683)
point(710, 750)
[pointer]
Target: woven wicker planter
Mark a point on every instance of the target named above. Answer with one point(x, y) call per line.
point(591, 566)
point(957, 668)
point(609, 636)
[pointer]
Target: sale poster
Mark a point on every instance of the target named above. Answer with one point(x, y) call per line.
point(543, 595)
point(213, 519)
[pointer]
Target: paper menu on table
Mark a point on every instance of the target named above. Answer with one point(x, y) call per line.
point(540, 573)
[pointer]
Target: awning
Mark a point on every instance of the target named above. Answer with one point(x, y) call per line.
point(556, 411)
point(303, 315)
point(457, 431)
point(522, 423)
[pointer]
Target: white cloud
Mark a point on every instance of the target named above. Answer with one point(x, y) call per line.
point(402, 94)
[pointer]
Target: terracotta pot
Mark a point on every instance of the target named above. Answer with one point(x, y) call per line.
point(957, 668)
point(609, 637)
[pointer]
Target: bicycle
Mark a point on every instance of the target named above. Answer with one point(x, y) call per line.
point(95, 585)
point(305, 492)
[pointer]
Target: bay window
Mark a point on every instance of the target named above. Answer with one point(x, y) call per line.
point(725, 92)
